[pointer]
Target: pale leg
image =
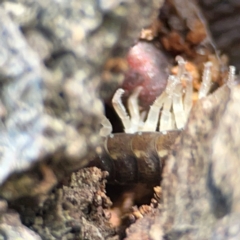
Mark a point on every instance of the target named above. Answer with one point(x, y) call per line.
point(153, 114)
point(181, 67)
point(188, 95)
point(166, 120)
point(231, 76)
point(106, 129)
point(178, 110)
point(121, 111)
point(206, 80)
point(134, 109)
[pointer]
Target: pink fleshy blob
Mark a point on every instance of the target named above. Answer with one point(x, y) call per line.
point(148, 67)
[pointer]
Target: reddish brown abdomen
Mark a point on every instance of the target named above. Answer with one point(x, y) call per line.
point(148, 67)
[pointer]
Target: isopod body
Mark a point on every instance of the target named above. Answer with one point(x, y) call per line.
point(138, 157)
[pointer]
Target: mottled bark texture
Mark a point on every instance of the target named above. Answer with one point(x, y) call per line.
point(77, 210)
point(11, 226)
point(200, 187)
point(200, 184)
point(224, 23)
point(52, 55)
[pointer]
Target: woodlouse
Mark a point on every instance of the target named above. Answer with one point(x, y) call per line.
point(138, 155)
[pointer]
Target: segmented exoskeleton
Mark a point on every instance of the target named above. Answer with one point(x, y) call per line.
point(138, 155)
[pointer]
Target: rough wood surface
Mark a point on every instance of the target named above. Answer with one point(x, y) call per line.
point(52, 61)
